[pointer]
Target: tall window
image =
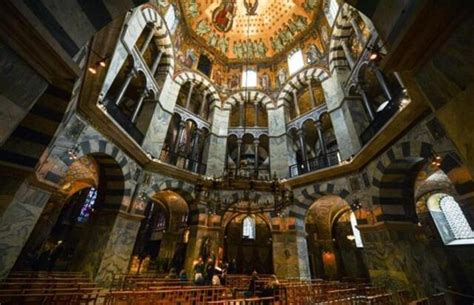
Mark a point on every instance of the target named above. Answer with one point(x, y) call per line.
point(356, 232)
point(450, 221)
point(330, 10)
point(88, 206)
point(295, 61)
point(170, 18)
point(249, 78)
point(248, 228)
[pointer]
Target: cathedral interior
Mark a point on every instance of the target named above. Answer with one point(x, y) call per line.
point(236, 152)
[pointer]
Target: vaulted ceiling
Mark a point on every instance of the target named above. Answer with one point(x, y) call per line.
point(249, 29)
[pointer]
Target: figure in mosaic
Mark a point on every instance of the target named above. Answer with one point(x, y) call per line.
point(202, 28)
point(193, 9)
point(223, 15)
point(310, 4)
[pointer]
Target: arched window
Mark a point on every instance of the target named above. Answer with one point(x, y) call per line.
point(295, 61)
point(170, 18)
point(248, 228)
point(450, 221)
point(356, 232)
point(249, 78)
point(88, 206)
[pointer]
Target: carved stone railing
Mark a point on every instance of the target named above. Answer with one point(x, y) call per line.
point(188, 115)
point(256, 132)
point(313, 115)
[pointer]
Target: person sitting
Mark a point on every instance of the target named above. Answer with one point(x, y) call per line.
point(253, 285)
point(182, 276)
point(210, 271)
point(172, 274)
point(270, 287)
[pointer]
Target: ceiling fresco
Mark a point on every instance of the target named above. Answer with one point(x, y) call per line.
point(249, 29)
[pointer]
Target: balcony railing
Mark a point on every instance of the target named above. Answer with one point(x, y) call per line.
point(381, 118)
point(330, 159)
point(181, 160)
point(262, 173)
point(124, 121)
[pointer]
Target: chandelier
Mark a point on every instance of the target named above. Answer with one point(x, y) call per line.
point(240, 194)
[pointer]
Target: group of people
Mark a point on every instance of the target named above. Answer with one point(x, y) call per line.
point(250, 49)
point(209, 273)
point(285, 34)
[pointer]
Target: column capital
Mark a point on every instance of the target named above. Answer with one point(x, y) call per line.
point(256, 141)
point(239, 140)
point(182, 124)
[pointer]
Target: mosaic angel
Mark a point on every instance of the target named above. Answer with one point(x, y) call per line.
point(202, 28)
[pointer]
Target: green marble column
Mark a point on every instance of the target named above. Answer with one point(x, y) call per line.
point(398, 257)
point(17, 221)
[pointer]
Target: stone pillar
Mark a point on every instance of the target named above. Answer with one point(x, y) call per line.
point(347, 53)
point(147, 40)
point(124, 87)
point(347, 138)
point(158, 128)
point(398, 256)
point(255, 122)
point(367, 106)
point(136, 112)
point(311, 94)
point(179, 136)
point(203, 104)
point(290, 254)
point(216, 154)
point(195, 150)
point(109, 246)
point(278, 140)
point(188, 99)
point(381, 79)
point(255, 145)
point(239, 151)
point(18, 220)
point(295, 101)
point(156, 63)
point(322, 141)
point(241, 114)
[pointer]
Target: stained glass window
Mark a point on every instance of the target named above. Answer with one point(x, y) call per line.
point(161, 221)
point(88, 206)
point(248, 229)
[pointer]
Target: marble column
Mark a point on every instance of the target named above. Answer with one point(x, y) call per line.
point(156, 63)
point(347, 53)
point(398, 256)
point(188, 99)
point(130, 75)
point(168, 244)
point(241, 114)
point(179, 136)
point(256, 142)
point(322, 141)
point(136, 112)
point(109, 245)
point(290, 254)
point(215, 156)
point(383, 84)
point(365, 99)
point(311, 94)
point(239, 151)
point(295, 101)
point(304, 154)
point(147, 40)
point(195, 150)
point(203, 104)
point(278, 140)
point(255, 122)
point(18, 221)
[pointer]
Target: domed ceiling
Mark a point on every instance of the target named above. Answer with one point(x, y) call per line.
point(254, 29)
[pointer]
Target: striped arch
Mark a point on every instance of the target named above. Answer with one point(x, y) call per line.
point(112, 163)
point(151, 15)
point(299, 81)
point(256, 96)
point(201, 81)
point(392, 176)
point(342, 29)
point(309, 194)
point(185, 190)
